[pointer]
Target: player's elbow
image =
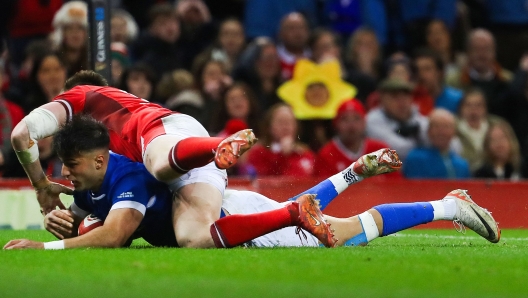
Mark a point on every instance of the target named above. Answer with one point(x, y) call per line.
point(20, 136)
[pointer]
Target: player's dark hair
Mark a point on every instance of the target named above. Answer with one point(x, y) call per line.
point(85, 77)
point(82, 134)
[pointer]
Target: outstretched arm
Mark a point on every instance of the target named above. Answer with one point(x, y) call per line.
point(40, 123)
point(117, 229)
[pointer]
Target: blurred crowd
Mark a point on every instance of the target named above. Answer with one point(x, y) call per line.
point(321, 82)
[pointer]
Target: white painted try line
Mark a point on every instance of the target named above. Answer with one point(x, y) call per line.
point(455, 237)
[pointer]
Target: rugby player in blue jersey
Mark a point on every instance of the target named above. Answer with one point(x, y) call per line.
point(133, 204)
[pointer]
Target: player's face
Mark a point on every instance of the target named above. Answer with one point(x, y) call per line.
point(83, 171)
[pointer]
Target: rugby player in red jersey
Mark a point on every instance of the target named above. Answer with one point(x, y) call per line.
point(174, 148)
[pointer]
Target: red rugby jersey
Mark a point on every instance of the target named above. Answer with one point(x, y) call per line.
point(131, 121)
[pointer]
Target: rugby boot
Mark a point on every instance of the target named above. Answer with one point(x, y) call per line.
point(312, 220)
point(378, 162)
point(471, 215)
point(230, 149)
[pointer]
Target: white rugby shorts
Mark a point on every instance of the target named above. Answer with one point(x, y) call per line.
point(185, 126)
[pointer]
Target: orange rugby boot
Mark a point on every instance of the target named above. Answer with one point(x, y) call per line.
point(230, 149)
point(312, 220)
point(378, 162)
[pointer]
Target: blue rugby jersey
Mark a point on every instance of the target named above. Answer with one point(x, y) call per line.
point(128, 184)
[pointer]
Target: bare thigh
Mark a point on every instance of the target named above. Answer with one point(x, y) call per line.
point(196, 206)
point(156, 157)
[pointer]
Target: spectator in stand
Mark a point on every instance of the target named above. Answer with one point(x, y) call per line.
point(259, 67)
point(342, 17)
point(508, 21)
point(237, 103)
point(140, 80)
point(501, 154)
point(438, 39)
point(229, 44)
point(363, 62)
point(262, 17)
point(349, 143)
point(70, 37)
point(278, 152)
point(10, 115)
point(483, 71)
point(29, 20)
point(400, 25)
point(159, 46)
point(325, 46)
point(46, 80)
point(472, 126)
point(293, 42)
point(516, 102)
point(399, 68)
point(17, 86)
point(314, 93)
point(120, 61)
point(197, 29)
point(172, 84)
point(437, 161)
point(49, 161)
point(429, 69)
point(123, 27)
point(212, 80)
point(397, 121)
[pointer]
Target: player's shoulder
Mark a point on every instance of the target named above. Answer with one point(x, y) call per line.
point(125, 165)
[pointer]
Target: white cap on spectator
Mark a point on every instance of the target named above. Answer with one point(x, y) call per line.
point(71, 12)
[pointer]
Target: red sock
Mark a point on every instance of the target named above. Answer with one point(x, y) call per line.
point(193, 153)
point(236, 229)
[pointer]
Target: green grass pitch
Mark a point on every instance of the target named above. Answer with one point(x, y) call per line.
point(416, 263)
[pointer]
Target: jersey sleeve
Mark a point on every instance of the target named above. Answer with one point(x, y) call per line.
point(130, 192)
point(72, 100)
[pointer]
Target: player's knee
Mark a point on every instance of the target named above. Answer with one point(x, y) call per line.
point(195, 240)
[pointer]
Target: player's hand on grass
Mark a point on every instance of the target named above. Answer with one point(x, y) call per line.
point(60, 223)
point(23, 244)
point(48, 196)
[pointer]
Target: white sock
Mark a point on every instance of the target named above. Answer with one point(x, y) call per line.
point(444, 209)
point(345, 178)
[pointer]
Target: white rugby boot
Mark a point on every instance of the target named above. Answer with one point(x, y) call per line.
point(471, 215)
